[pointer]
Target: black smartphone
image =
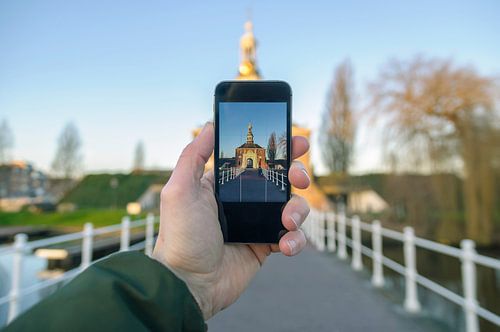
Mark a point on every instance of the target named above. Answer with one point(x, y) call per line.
point(251, 158)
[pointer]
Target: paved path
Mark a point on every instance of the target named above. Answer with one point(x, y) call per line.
point(314, 292)
point(253, 187)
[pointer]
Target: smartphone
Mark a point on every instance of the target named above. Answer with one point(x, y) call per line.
point(251, 158)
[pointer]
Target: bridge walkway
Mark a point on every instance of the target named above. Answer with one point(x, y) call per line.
point(251, 186)
point(315, 292)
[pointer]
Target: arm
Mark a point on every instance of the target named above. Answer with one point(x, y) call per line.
point(130, 291)
point(125, 292)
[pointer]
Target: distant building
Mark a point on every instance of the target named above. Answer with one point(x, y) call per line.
point(20, 184)
point(357, 199)
point(366, 201)
point(21, 179)
point(250, 154)
point(150, 199)
point(58, 187)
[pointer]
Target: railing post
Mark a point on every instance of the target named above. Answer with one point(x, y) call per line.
point(17, 267)
point(88, 231)
point(411, 297)
point(150, 233)
point(282, 182)
point(342, 252)
point(469, 285)
point(357, 263)
point(317, 217)
point(312, 224)
point(315, 229)
point(330, 230)
point(222, 178)
point(321, 230)
point(306, 226)
point(125, 234)
point(378, 268)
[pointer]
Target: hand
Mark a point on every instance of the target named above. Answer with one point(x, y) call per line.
point(190, 240)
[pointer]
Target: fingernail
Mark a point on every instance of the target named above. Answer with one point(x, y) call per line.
point(292, 244)
point(295, 218)
point(307, 175)
point(207, 124)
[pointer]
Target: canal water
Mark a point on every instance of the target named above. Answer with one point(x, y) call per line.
point(31, 267)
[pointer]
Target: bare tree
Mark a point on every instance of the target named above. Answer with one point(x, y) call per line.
point(281, 146)
point(68, 159)
point(444, 115)
point(337, 131)
point(271, 147)
point(6, 141)
point(139, 156)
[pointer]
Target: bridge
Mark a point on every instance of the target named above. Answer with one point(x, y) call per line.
point(314, 292)
point(329, 287)
point(250, 185)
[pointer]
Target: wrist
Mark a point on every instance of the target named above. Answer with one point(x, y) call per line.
point(198, 293)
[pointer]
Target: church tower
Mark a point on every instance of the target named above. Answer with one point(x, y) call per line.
point(249, 134)
point(248, 54)
point(248, 71)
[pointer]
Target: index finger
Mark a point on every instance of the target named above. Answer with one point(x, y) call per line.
point(189, 168)
point(300, 145)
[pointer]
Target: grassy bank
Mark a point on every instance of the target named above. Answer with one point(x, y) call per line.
point(99, 217)
point(95, 192)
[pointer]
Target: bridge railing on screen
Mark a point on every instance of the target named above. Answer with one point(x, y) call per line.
point(326, 230)
point(228, 174)
point(278, 177)
point(22, 247)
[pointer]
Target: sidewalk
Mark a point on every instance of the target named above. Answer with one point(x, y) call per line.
point(314, 292)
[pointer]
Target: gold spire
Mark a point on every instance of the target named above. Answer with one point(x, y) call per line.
point(250, 134)
point(248, 48)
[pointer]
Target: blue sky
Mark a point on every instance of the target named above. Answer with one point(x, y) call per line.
point(234, 118)
point(125, 71)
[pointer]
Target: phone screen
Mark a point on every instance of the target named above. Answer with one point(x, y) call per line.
point(252, 161)
point(251, 158)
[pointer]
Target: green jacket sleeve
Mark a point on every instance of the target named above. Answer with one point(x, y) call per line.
point(125, 292)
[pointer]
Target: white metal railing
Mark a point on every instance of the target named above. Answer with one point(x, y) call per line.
point(331, 226)
point(22, 246)
point(276, 177)
point(228, 174)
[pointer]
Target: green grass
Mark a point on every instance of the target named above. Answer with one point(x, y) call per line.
point(56, 219)
point(95, 192)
